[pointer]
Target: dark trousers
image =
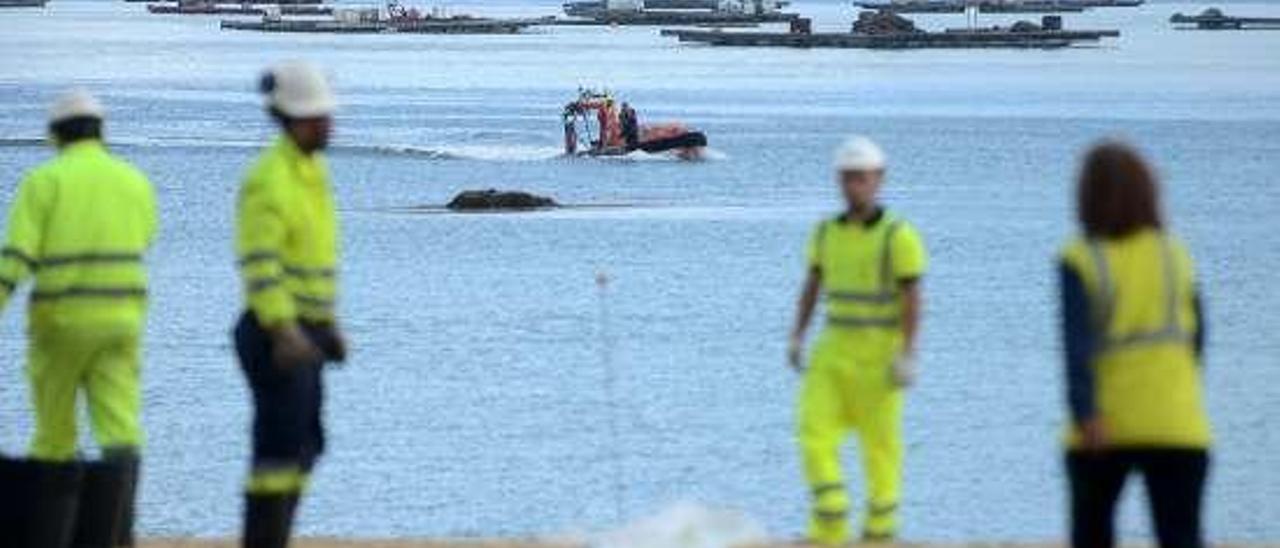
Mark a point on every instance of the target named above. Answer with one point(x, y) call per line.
point(1174, 478)
point(287, 426)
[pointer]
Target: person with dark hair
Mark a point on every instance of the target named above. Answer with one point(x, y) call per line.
point(80, 225)
point(868, 263)
point(287, 243)
point(1133, 332)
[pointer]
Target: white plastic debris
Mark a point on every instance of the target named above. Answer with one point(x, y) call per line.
point(686, 525)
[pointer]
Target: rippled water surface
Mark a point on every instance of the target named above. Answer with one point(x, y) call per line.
point(478, 399)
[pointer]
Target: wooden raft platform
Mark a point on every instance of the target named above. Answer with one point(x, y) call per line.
point(1214, 19)
point(675, 18)
point(256, 2)
point(995, 6)
point(419, 26)
point(957, 39)
point(235, 9)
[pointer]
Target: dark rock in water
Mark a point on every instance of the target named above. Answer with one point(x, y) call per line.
point(479, 200)
point(883, 22)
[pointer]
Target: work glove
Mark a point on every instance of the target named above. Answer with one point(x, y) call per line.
point(291, 348)
point(904, 370)
point(795, 352)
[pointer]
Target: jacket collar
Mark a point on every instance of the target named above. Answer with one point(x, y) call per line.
point(871, 221)
point(83, 145)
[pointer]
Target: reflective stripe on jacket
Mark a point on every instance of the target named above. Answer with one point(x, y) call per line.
point(287, 236)
point(1147, 384)
point(80, 225)
point(859, 274)
point(862, 265)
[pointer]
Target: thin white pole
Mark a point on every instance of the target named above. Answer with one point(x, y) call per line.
point(610, 393)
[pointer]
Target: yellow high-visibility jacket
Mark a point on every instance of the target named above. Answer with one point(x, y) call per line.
point(1146, 373)
point(80, 223)
point(862, 265)
point(287, 237)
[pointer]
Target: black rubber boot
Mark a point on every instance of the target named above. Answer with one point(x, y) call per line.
point(54, 504)
point(268, 520)
point(16, 479)
point(102, 502)
point(124, 534)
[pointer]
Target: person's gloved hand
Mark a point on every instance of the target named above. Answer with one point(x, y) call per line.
point(291, 348)
point(795, 352)
point(904, 370)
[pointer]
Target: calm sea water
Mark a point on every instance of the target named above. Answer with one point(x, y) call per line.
point(488, 367)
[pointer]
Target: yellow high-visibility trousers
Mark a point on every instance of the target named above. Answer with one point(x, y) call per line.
point(850, 387)
point(104, 364)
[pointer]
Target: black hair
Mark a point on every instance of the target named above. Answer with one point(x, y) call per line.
point(78, 128)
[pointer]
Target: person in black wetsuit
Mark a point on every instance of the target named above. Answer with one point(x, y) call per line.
point(630, 126)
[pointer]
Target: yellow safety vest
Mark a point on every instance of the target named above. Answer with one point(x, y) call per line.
point(861, 266)
point(1146, 375)
point(287, 236)
point(80, 223)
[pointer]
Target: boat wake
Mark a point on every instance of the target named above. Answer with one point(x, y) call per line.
point(478, 152)
point(707, 155)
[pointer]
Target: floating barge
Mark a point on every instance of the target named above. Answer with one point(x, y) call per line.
point(596, 5)
point(678, 19)
point(212, 8)
point(589, 8)
point(1214, 19)
point(676, 12)
point(995, 6)
point(440, 26)
point(253, 2)
point(397, 19)
point(899, 33)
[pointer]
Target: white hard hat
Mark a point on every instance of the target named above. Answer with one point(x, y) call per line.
point(859, 153)
point(298, 90)
point(76, 103)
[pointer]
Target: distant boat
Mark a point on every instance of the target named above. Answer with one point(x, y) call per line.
point(603, 131)
point(23, 3)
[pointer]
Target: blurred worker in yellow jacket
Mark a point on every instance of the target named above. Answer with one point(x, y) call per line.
point(287, 244)
point(80, 225)
point(1133, 333)
point(867, 263)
